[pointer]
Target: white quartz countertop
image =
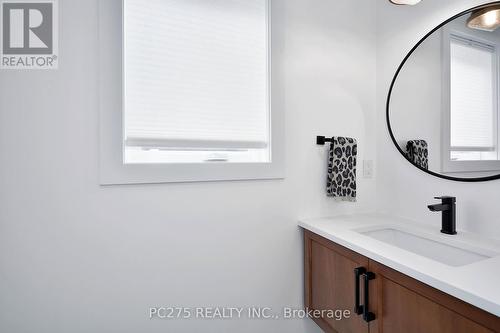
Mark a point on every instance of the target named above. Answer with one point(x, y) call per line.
point(476, 283)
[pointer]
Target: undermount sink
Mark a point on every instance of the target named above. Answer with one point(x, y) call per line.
point(446, 251)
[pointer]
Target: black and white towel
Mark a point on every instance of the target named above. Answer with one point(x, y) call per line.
point(417, 152)
point(341, 182)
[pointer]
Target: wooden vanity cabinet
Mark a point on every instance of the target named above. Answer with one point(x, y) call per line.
point(398, 303)
point(329, 282)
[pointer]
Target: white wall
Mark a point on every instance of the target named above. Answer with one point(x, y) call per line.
point(402, 189)
point(76, 257)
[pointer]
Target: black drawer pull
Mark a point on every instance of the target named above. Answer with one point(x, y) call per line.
point(358, 309)
point(367, 315)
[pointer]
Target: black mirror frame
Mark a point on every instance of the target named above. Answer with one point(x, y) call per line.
point(468, 180)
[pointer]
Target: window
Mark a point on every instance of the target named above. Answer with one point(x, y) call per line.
point(471, 137)
point(196, 89)
point(195, 101)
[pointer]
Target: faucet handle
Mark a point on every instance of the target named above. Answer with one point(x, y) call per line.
point(446, 198)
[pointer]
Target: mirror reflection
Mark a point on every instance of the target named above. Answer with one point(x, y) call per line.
point(444, 107)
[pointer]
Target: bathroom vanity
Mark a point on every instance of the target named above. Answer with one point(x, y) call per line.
point(396, 277)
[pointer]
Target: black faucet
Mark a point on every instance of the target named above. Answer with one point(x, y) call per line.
point(448, 207)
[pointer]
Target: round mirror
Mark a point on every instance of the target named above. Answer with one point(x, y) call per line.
point(443, 109)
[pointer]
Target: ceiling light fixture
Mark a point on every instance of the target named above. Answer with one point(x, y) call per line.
point(486, 19)
point(405, 2)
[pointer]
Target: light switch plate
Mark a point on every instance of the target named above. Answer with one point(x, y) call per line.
point(368, 169)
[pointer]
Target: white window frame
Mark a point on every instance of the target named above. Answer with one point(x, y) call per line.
point(448, 165)
point(113, 171)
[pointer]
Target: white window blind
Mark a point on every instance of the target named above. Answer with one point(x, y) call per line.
point(473, 106)
point(196, 79)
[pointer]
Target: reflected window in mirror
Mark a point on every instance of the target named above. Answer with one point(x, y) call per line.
point(474, 106)
point(470, 119)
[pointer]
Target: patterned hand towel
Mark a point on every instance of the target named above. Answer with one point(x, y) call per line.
point(417, 152)
point(341, 182)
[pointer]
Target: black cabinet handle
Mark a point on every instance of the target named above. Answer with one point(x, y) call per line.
point(367, 315)
point(358, 309)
